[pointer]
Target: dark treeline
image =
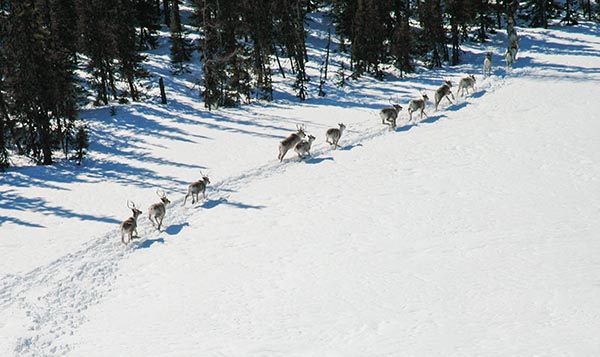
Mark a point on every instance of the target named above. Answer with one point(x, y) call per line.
point(56, 53)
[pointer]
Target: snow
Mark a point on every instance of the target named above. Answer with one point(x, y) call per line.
point(473, 232)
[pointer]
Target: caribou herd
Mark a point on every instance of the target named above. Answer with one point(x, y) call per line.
point(301, 142)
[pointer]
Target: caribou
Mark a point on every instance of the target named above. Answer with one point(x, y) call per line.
point(196, 187)
point(129, 226)
point(417, 104)
point(303, 147)
point(157, 211)
point(443, 92)
point(390, 114)
point(286, 144)
point(333, 135)
point(487, 65)
point(465, 84)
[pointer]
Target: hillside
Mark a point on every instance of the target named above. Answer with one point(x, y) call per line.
point(473, 231)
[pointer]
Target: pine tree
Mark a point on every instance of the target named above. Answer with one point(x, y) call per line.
point(539, 11)
point(402, 41)
point(343, 12)
point(434, 35)
point(570, 17)
point(146, 16)
point(369, 36)
point(97, 41)
point(290, 35)
point(62, 52)
point(36, 78)
point(226, 60)
point(81, 142)
point(4, 118)
point(260, 26)
point(181, 51)
point(129, 58)
point(483, 18)
point(167, 12)
point(108, 38)
point(462, 13)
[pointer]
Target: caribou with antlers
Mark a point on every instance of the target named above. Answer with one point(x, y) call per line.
point(390, 114)
point(290, 142)
point(196, 187)
point(158, 210)
point(129, 226)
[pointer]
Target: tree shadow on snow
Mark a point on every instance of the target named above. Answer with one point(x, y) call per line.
point(10, 200)
point(4, 219)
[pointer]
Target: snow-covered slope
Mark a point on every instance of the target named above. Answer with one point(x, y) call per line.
point(473, 232)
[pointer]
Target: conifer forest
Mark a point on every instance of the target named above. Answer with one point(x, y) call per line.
point(57, 56)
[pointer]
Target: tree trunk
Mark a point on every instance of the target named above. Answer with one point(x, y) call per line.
point(167, 12)
point(163, 96)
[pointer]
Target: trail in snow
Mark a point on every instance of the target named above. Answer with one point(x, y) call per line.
point(55, 296)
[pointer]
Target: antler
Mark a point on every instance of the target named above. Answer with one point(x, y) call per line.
point(160, 193)
point(130, 204)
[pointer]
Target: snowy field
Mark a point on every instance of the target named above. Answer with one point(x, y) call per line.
point(474, 232)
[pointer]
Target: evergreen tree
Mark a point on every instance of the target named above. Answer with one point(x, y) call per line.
point(167, 12)
point(368, 47)
point(181, 49)
point(97, 41)
point(146, 15)
point(539, 12)
point(433, 35)
point(343, 12)
point(290, 35)
point(483, 18)
point(402, 41)
point(226, 60)
point(570, 17)
point(81, 142)
point(461, 14)
point(108, 38)
point(4, 118)
point(260, 26)
point(62, 52)
point(36, 78)
point(129, 58)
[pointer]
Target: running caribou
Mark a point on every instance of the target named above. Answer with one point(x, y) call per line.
point(443, 92)
point(334, 134)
